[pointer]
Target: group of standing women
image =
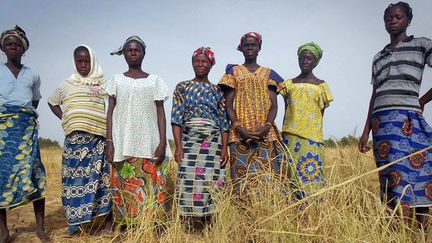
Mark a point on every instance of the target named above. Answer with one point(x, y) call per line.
point(116, 156)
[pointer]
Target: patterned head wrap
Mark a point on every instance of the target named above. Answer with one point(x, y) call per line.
point(18, 33)
point(132, 38)
point(95, 76)
point(312, 47)
point(206, 51)
point(255, 35)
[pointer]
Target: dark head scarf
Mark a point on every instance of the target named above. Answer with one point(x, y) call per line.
point(206, 51)
point(18, 33)
point(313, 48)
point(132, 38)
point(255, 35)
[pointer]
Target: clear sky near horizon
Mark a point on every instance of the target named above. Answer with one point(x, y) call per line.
point(350, 32)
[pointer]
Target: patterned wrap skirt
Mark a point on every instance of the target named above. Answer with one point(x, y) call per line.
point(200, 178)
point(247, 159)
point(396, 134)
point(22, 174)
point(85, 178)
point(305, 158)
point(137, 183)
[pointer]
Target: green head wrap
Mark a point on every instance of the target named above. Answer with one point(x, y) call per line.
point(312, 47)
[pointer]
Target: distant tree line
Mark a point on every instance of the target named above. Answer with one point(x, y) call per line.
point(46, 142)
point(349, 140)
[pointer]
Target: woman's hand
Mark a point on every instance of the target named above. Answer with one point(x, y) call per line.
point(263, 131)
point(160, 153)
point(363, 147)
point(109, 151)
point(178, 154)
point(224, 157)
point(245, 135)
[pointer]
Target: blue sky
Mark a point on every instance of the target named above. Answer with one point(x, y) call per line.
point(349, 31)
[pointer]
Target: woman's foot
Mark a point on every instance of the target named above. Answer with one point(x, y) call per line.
point(108, 228)
point(42, 235)
point(5, 238)
point(72, 231)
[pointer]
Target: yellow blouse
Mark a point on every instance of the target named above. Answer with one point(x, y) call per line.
point(304, 103)
point(252, 98)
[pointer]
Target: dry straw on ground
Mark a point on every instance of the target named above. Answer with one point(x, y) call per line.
point(348, 212)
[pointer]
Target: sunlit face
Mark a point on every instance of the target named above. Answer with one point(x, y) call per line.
point(250, 47)
point(133, 53)
point(201, 65)
point(307, 61)
point(396, 21)
point(83, 62)
point(13, 48)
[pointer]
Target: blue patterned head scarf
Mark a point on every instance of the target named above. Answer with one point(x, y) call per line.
point(132, 38)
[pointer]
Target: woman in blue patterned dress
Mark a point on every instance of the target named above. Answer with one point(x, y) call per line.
point(395, 116)
point(22, 174)
point(200, 127)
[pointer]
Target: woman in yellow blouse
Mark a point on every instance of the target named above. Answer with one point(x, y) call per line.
point(306, 97)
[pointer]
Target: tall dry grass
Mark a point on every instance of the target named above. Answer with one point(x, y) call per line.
point(349, 213)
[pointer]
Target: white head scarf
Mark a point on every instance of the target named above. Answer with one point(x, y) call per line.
point(95, 76)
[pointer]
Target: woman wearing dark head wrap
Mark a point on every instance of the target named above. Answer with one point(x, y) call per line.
point(136, 136)
point(22, 174)
point(306, 97)
point(200, 127)
point(250, 92)
point(395, 116)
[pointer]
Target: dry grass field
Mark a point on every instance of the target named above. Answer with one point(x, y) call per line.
point(347, 213)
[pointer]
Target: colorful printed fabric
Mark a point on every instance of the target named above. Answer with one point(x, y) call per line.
point(137, 183)
point(22, 174)
point(18, 33)
point(252, 97)
point(206, 51)
point(193, 99)
point(247, 159)
point(306, 158)
point(304, 105)
point(200, 177)
point(250, 34)
point(85, 178)
point(396, 134)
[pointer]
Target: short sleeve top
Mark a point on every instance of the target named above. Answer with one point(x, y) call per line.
point(252, 97)
point(20, 91)
point(198, 99)
point(397, 74)
point(83, 107)
point(303, 114)
point(135, 128)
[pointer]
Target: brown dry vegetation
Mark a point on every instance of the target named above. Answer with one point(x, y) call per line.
point(349, 213)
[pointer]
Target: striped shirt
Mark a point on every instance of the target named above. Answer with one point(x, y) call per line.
point(397, 75)
point(83, 107)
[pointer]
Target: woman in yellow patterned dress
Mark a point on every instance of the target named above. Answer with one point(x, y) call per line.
point(251, 103)
point(306, 97)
